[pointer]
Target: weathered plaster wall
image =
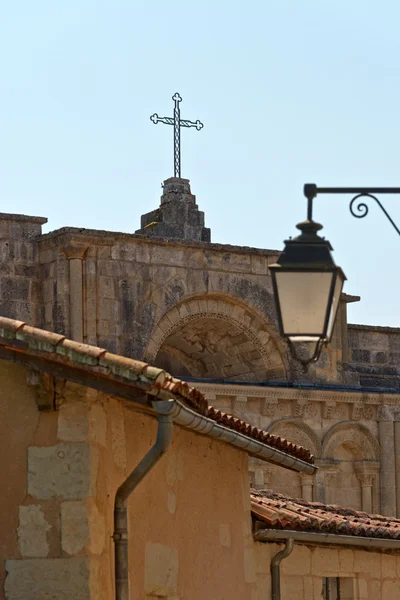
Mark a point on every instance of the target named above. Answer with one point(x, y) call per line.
point(193, 509)
point(23, 521)
point(366, 575)
point(189, 520)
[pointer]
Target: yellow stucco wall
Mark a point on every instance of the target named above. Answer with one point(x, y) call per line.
point(189, 520)
point(20, 427)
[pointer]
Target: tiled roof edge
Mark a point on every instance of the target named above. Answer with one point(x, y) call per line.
point(285, 514)
point(20, 337)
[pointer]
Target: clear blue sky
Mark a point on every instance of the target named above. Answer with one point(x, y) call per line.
point(289, 92)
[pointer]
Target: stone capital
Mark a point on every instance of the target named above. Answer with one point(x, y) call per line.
point(365, 479)
point(300, 407)
point(366, 471)
point(239, 403)
point(306, 479)
point(388, 413)
point(269, 407)
point(329, 408)
point(75, 250)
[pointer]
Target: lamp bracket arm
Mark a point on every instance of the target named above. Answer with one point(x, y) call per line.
point(358, 210)
point(362, 208)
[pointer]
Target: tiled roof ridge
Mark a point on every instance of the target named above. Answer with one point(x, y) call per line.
point(294, 514)
point(21, 337)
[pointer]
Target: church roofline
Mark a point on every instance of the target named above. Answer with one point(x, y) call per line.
point(108, 237)
point(24, 218)
point(377, 328)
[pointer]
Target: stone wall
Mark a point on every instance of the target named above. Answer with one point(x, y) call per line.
point(353, 436)
point(364, 575)
point(374, 353)
point(208, 307)
point(20, 286)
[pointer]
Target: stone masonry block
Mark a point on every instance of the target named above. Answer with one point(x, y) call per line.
point(325, 560)
point(363, 356)
point(48, 578)
point(32, 532)
point(73, 422)
point(61, 470)
point(366, 562)
point(14, 289)
point(74, 526)
point(161, 570)
point(298, 563)
point(390, 590)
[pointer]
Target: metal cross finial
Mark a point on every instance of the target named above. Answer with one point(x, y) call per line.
point(177, 122)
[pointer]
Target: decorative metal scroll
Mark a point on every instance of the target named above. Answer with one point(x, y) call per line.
point(363, 208)
point(358, 210)
point(177, 122)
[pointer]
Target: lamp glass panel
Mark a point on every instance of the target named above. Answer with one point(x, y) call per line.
point(303, 298)
point(335, 303)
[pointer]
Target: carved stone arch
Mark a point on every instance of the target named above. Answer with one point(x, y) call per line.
point(259, 339)
point(298, 432)
point(351, 433)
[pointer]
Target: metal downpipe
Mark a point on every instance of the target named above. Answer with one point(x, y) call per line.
point(120, 536)
point(276, 568)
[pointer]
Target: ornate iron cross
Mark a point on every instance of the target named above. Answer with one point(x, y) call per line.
point(177, 122)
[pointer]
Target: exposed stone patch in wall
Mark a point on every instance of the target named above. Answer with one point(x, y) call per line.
point(61, 470)
point(73, 422)
point(97, 424)
point(118, 437)
point(74, 526)
point(37, 579)
point(161, 570)
point(32, 532)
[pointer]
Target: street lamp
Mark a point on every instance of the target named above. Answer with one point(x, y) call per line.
point(307, 286)
point(306, 282)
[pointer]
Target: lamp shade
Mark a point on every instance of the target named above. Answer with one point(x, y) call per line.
point(307, 287)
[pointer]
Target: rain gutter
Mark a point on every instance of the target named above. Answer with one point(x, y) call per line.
point(189, 419)
point(276, 568)
point(120, 536)
point(275, 535)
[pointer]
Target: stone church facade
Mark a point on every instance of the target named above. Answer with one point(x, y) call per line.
point(205, 312)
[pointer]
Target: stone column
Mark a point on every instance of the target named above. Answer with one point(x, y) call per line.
point(388, 474)
point(75, 253)
point(366, 492)
point(324, 479)
point(307, 484)
point(368, 475)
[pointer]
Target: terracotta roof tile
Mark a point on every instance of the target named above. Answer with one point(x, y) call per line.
point(21, 337)
point(259, 434)
point(282, 512)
